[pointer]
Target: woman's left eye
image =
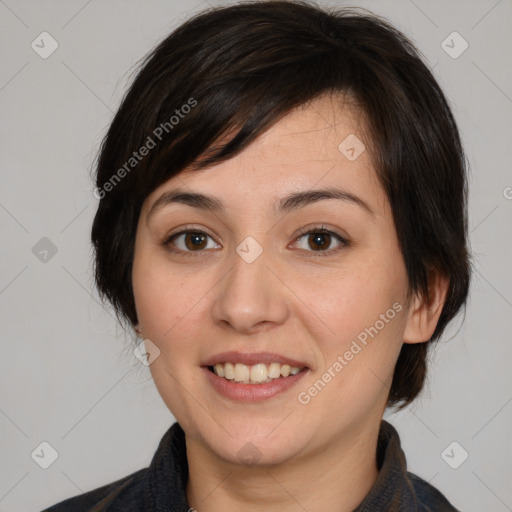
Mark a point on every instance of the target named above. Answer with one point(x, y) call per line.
point(320, 240)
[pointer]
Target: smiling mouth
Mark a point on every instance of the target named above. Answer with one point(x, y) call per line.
point(255, 374)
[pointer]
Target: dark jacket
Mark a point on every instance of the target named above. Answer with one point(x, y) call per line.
point(161, 486)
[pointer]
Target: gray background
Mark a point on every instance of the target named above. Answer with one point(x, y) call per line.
point(68, 375)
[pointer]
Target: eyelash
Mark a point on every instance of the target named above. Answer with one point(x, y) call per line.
point(308, 231)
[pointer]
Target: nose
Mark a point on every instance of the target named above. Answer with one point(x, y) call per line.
point(251, 298)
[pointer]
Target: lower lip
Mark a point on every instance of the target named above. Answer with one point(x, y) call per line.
point(252, 392)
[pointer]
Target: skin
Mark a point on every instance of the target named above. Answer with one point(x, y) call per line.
point(294, 300)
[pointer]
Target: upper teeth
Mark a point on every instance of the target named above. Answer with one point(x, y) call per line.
point(256, 373)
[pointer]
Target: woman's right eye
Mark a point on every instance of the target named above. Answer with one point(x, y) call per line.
point(190, 241)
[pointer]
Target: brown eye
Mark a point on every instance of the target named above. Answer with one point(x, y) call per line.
point(321, 241)
point(195, 241)
point(190, 241)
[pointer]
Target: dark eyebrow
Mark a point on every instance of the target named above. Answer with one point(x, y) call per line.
point(191, 199)
point(298, 200)
point(286, 204)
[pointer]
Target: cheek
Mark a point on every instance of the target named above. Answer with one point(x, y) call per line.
point(162, 298)
point(356, 359)
point(363, 316)
point(347, 301)
point(171, 314)
point(173, 309)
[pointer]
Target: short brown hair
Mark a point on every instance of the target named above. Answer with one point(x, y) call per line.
point(243, 68)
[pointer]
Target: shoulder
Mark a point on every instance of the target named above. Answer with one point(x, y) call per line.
point(163, 481)
point(125, 494)
point(429, 498)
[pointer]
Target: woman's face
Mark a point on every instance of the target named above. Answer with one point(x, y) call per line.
point(292, 262)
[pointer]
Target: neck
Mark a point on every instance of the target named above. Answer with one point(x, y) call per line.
point(336, 477)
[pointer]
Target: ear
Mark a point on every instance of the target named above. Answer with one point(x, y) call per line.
point(424, 312)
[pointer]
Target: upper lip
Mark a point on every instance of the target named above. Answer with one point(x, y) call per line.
point(250, 359)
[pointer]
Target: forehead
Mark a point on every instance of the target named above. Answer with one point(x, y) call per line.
point(323, 143)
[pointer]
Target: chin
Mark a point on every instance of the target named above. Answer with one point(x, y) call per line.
point(255, 443)
point(254, 454)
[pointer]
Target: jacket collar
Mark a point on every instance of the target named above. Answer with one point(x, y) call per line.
point(393, 490)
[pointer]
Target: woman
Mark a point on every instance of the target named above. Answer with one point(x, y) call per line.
point(282, 220)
